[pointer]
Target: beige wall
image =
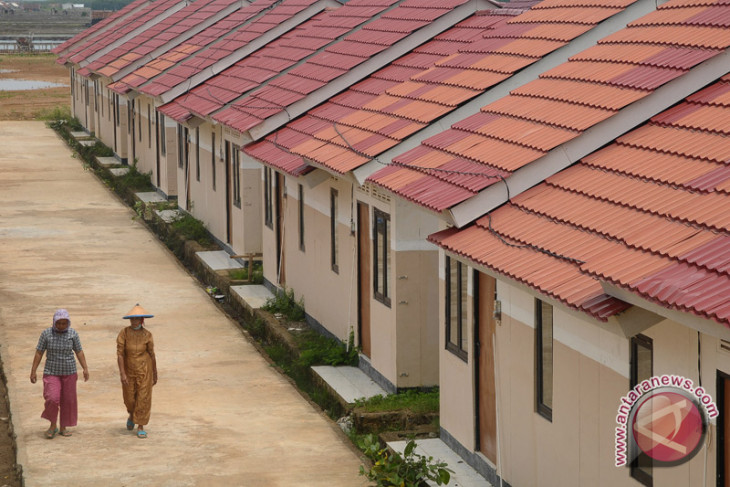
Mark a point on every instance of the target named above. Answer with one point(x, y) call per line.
point(329, 297)
point(591, 374)
point(208, 199)
point(144, 140)
point(168, 160)
point(404, 341)
point(105, 127)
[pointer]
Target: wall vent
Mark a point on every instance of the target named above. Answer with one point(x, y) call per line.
point(376, 192)
point(725, 346)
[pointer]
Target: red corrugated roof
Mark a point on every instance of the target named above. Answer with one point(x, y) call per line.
point(381, 28)
point(102, 26)
point(631, 214)
point(462, 63)
point(148, 16)
point(573, 97)
point(218, 41)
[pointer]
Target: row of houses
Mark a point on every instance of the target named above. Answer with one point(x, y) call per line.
point(523, 203)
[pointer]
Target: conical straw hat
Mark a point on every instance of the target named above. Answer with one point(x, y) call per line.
point(137, 312)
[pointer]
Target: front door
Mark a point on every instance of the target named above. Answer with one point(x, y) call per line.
point(486, 397)
point(363, 282)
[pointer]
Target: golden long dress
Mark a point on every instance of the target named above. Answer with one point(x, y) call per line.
point(137, 349)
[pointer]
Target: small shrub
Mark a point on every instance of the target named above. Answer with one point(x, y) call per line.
point(192, 229)
point(257, 328)
point(283, 302)
point(408, 470)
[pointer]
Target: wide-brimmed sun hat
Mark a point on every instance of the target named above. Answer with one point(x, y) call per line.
point(137, 312)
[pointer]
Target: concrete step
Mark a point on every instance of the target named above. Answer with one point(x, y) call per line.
point(463, 476)
point(350, 383)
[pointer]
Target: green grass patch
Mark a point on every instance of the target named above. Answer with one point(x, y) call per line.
point(192, 229)
point(316, 349)
point(416, 401)
point(242, 274)
point(134, 180)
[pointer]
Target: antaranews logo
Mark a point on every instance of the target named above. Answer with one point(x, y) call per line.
point(666, 418)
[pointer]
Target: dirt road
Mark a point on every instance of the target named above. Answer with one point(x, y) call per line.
point(221, 416)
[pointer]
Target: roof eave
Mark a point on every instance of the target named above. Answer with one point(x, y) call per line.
point(689, 320)
point(612, 324)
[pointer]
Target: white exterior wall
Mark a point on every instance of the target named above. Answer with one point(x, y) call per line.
point(591, 368)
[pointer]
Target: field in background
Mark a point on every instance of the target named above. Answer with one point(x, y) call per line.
point(33, 104)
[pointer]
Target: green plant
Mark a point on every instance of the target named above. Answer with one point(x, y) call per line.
point(316, 349)
point(283, 302)
point(242, 273)
point(257, 328)
point(408, 470)
point(416, 401)
point(133, 180)
point(192, 229)
point(60, 118)
point(56, 114)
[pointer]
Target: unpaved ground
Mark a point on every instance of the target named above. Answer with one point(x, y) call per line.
point(221, 415)
point(33, 104)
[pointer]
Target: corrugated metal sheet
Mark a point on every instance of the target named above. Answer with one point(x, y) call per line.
point(593, 86)
point(381, 28)
point(632, 214)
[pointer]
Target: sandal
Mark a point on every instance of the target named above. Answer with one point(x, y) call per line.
point(51, 433)
point(130, 424)
point(141, 434)
point(65, 433)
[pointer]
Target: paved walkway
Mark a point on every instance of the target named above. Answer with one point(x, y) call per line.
point(221, 416)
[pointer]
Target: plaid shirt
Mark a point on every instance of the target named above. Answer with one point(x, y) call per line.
point(60, 359)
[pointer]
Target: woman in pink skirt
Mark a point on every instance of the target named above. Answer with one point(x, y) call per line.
point(60, 341)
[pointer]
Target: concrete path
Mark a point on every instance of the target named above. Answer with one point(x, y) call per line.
point(221, 416)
